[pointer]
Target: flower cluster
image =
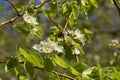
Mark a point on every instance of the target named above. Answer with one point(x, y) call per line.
point(48, 46)
point(77, 35)
point(114, 43)
point(30, 19)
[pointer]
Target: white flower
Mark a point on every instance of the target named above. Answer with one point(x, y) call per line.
point(76, 34)
point(79, 35)
point(76, 51)
point(114, 42)
point(48, 46)
point(30, 19)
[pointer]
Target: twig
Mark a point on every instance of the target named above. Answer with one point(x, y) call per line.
point(45, 1)
point(117, 6)
point(66, 24)
point(10, 20)
point(63, 75)
point(14, 7)
point(18, 16)
point(59, 26)
point(54, 72)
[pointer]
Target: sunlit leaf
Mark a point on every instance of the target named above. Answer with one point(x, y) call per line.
point(60, 62)
point(36, 59)
point(73, 71)
point(75, 11)
point(24, 52)
point(115, 75)
point(94, 2)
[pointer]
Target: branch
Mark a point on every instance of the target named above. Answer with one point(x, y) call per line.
point(14, 7)
point(117, 6)
point(59, 26)
point(10, 20)
point(42, 4)
point(66, 24)
point(54, 72)
point(16, 17)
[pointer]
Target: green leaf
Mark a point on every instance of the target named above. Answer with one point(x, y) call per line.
point(53, 77)
point(73, 71)
point(21, 27)
point(116, 75)
point(80, 67)
point(53, 7)
point(29, 68)
point(60, 62)
point(75, 11)
point(72, 22)
point(22, 8)
point(17, 70)
point(48, 65)
point(1, 7)
point(68, 52)
point(24, 52)
point(30, 10)
point(36, 59)
point(11, 64)
point(87, 31)
point(94, 2)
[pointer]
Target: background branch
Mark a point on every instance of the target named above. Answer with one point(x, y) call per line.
point(14, 7)
point(59, 26)
point(16, 17)
point(117, 5)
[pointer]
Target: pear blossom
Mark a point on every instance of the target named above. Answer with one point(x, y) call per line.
point(76, 34)
point(79, 35)
point(76, 51)
point(47, 46)
point(30, 19)
point(114, 42)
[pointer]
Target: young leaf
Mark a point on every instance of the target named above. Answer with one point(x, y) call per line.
point(116, 75)
point(60, 62)
point(11, 64)
point(29, 68)
point(75, 11)
point(24, 53)
point(21, 27)
point(72, 22)
point(36, 59)
point(17, 70)
point(94, 2)
point(73, 71)
point(48, 65)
